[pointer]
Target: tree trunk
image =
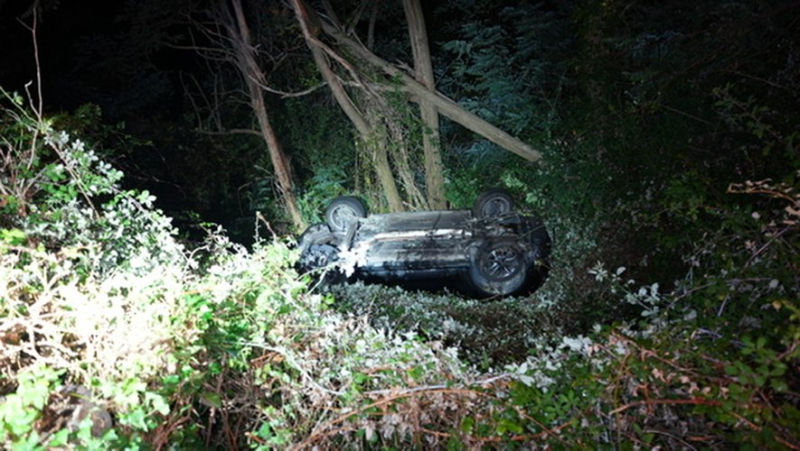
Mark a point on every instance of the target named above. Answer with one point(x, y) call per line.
point(398, 137)
point(369, 136)
point(423, 72)
point(280, 162)
point(446, 106)
point(239, 34)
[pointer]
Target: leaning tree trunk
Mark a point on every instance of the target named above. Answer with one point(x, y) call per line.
point(369, 136)
point(446, 106)
point(280, 162)
point(239, 34)
point(423, 72)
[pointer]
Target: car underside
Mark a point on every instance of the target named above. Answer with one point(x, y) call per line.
point(489, 251)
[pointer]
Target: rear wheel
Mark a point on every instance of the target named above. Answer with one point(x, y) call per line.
point(492, 203)
point(343, 211)
point(498, 268)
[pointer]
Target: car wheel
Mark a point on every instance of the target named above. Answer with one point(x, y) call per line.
point(498, 268)
point(317, 248)
point(343, 211)
point(492, 203)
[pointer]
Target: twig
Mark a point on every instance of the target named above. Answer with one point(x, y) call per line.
point(518, 437)
point(672, 436)
point(33, 29)
point(766, 245)
point(694, 401)
point(683, 113)
point(285, 95)
point(791, 349)
point(230, 131)
point(539, 423)
point(313, 437)
point(261, 218)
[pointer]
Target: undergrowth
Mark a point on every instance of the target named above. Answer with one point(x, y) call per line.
point(115, 335)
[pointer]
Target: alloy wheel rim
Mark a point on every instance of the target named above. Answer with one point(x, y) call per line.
point(501, 263)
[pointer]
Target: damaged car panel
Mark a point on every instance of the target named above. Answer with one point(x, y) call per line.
point(489, 251)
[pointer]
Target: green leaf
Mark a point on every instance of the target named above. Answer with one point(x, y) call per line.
point(212, 399)
point(467, 425)
point(31, 443)
point(780, 385)
point(360, 378)
point(135, 419)
point(416, 373)
point(214, 368)
point(14, 237)
point(58, 439)
point(158, 402)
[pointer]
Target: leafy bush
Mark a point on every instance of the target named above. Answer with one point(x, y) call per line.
point(487, 334)
point(88, 274)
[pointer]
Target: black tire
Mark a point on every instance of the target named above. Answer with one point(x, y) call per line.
point(492, 203)
point(342, 211)
point(498, 268)
point(318, 248)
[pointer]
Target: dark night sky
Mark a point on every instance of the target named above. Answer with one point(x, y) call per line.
point(86, 57)
point(60, 28)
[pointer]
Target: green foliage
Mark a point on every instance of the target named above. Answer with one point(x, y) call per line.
point(20, 410)
point(495, 51)
point(159, 345)
point(328, 183)
point(670, 318)
point(487, 334)
point(681, 176)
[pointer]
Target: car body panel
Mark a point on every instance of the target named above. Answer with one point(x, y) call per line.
point(415, 241)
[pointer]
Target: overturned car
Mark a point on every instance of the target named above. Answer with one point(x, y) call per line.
point(489, 251)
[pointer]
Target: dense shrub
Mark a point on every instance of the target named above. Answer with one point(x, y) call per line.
point(103, 310)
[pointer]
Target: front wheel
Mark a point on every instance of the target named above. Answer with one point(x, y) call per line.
point(343, 211)
point(498, 268)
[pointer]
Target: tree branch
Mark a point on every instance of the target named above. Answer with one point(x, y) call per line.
point(285, 94)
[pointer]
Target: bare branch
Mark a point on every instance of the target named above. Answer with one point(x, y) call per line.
point(373, 18)
point(231, 131)
point(285, 94)
point(359, 11)
point(307, 17)
point(326, 5)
